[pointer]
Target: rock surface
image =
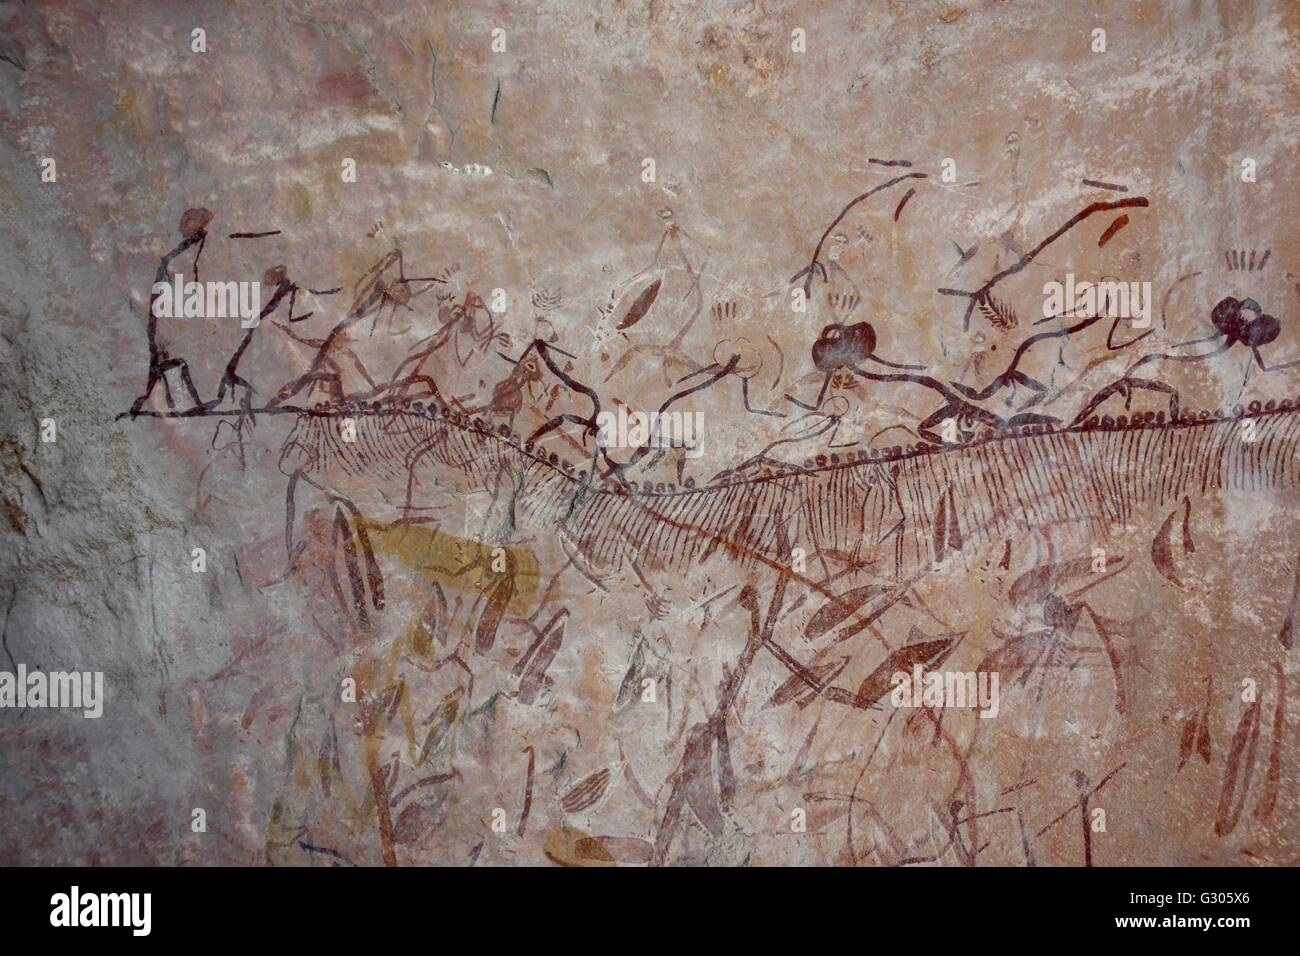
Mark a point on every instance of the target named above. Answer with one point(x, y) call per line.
point(389, 658)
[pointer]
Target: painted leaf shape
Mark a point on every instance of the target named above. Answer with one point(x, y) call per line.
point(1236, 778)
point(1162, 552)
point(703, 800)
point(444, 720)
point(1268, 799)
point(625, 849)
point(999, 313)
point(431, 625)
point(530, 683)
point(837, 611)
point(485, 634)
point(586, 792)
point(878, 682)
point(641, 305)
point(632, 679)
point(1203, 740)
point(797, 686)
point(566, 846)
point(697, 780)
point(726, 772)
point(1034, 585)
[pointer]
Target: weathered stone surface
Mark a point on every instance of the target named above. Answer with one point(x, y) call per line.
point(547, 668)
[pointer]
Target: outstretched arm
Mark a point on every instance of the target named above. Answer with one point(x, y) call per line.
point(1259, 360)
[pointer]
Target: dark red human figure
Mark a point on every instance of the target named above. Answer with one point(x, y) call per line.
point(194, 232)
